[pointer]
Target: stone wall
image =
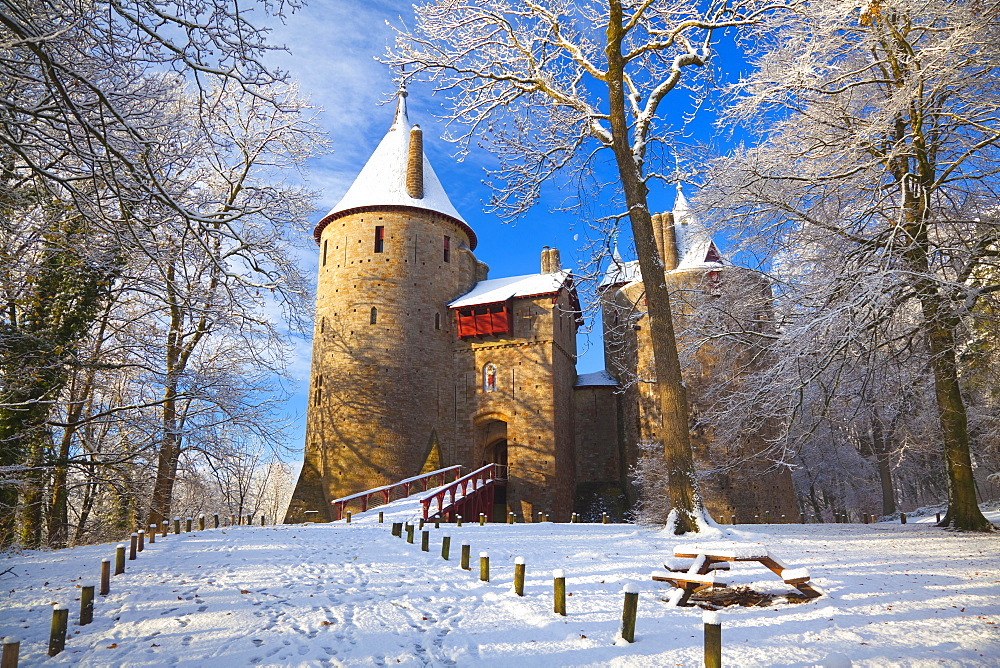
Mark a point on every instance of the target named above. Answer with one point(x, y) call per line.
point(379, 400)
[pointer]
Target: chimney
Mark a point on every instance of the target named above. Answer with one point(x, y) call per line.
point(658, 234)
point(545, 259)
point(669, 235)
point(415, 164)
point(555, 264)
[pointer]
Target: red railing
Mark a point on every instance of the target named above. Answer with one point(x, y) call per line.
point(386, 490)
point(474, 492)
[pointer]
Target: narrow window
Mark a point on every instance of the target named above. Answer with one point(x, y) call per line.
point(318, 393)
point(437, 321)
point(324, 252)
point(373, 318)
point(322, 325)
point(379, 238)
point(447, 249)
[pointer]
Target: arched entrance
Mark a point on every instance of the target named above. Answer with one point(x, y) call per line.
point(491, 443)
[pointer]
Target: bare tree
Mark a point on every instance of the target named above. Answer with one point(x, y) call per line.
point(550, 82)
point(875, 181)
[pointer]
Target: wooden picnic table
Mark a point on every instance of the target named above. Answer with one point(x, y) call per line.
point(708, 560)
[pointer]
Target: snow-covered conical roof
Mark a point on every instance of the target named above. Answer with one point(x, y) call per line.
point(382, 181)
point(696, 246)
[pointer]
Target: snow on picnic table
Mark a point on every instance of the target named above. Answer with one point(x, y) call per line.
point(353, 595)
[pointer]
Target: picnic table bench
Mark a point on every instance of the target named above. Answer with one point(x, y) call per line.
point(703, 562)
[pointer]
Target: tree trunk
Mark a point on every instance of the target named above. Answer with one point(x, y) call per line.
point(880, 449)
point(685, 495)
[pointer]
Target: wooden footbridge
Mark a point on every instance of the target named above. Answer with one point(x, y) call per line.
point(466, 495)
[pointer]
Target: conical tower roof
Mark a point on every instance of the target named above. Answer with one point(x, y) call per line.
point(382, 181)
point(696, 245)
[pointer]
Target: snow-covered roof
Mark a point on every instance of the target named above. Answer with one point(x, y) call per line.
point(502, 289)
point(382, 181)
point(695, 245)
point(619, 272)
point(601, 377)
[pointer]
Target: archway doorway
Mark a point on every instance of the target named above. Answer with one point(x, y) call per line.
point(491, 439)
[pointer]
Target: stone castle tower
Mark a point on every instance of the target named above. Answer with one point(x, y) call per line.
point(393, 253)
point(420, 361)
point(708, 295)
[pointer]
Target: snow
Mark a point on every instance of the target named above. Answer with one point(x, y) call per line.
point(601, 377)
point(339, 594)
point(382, 181)
point(621, 272)
point(710, 617)
point(727, 549)
point(501, 289)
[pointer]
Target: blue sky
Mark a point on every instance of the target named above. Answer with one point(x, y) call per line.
point(333, 45)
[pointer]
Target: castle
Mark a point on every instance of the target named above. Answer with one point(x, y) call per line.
point(420, 361)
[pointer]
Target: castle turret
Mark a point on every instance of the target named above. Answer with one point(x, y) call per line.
point(389, 263)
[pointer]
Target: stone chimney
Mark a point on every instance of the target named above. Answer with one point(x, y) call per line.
point(658, 234)
point(415, 164)
point(550, 260)
point(669, 254)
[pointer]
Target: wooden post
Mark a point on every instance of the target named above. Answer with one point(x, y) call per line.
point(381, 516)
point(86, 605)
point(629, 610)
point(713, 639)
point(733, 520)
point(201, 522)
point(397, 529)
point(574, 518)
point(937, 517)
point(425, 541)
point(519, 576)
point(484, 566)
point(347, 516)
point(177, 526)
point(767, 517)
point(802, 518)
point(437, 521)
point(482, 519)
point(163, 528)
point(11, 651)
point(864, 518)
point(215, 520)
point(510, 518)
point(232, 520)
point(57, 636)
point(119, 559)
point(409, 533)
point(250, 519)
point(465, 556)
point(133, 545)
point(152, 534)
point(559, 592)
point(263, 519)
point(541, 516)
point(458, 520)
point(902, 518)
point(756, 519)
point(547, 517)
point(445, 546)
point(187, 525)
point(105, 576)
point(142, 540)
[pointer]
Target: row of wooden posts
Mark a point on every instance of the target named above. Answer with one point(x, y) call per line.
point(630, 607)
point(838, 518)
point(137, 543)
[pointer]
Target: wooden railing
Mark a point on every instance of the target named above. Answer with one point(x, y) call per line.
point(463, 488)
point(386, 491)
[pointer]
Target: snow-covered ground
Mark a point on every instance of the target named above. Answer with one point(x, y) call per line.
point(337, 594)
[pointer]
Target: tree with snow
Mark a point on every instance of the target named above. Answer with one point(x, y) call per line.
point(547, 83)
point(875, 183)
